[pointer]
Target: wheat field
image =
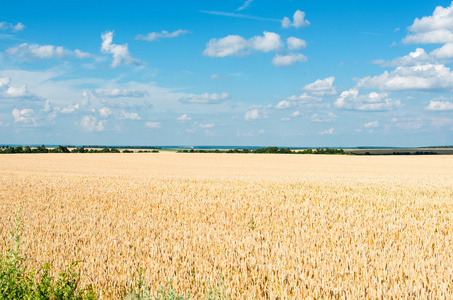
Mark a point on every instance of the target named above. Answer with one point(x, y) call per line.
point(273, 226)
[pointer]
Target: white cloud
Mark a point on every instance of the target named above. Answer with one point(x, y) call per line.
point(446, 51)
point(90, 124)
point(297, 101)
point(295, 43)
point(329, 131)
point(214, 76)
point(245, 5)
point(437, 28)
point(237, 45)
point(322, 87)
point(418, 57)
point(120, 53)
point(80, 54)
point(295, 114)
point(152, 36)
point(425, 77)
point(369, 102)
point(114, 93)
point(227, 46)
point(288, 60)
point(436, 105)
point(184, 118)
point(26, 115)
point(371, 124)
point(129, 115)
point(254, 114)
point(285, 119)
point(434, 29)
point(69, 109)
point(40, 51)
point(205, 98)
point(210, 125)
point(151, 124)
point(8, 91)
point(105, 112)
point(18, 27)
point(330, 117)
point(30, 51)
point(268, 42)
point(298, 20)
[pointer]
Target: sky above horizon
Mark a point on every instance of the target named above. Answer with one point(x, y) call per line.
point(237, 72)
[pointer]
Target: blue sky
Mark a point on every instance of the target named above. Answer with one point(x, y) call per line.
point(236, 72)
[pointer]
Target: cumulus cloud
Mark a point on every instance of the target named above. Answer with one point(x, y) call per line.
point(434, 29)
point(210, 125)
point(437, 28)
point(297, 101)
point(115, 93)
point(26, 115)
point(436, 105)
point(268, 42)
point(423, 77)
point(90, 124)
point(105, 112)
point(151, 124)
point(295, 114)
point(371, 124)
point(80, 54)
point(40, 51)
point(369, 102)
point(418, 57)
point(288, 59)
point(184, 118)
point(227, 46)
point(329, 131)
point(9, 91)
point(295, 43)
point(18, 27)
point(298, 20)
point(69, 109)
point(321, 87)
point(205, 98)
point(330, 117)
point(254, 114)
point(129, 115)
point(30, 51)
point(236, 45)
point(152, 36)
point(120, 53)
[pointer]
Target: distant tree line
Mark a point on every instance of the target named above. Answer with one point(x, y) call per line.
point(399, 153)
point(62, 149)
point(269, 150)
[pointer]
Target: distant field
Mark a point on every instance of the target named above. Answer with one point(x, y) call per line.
point(274, 226)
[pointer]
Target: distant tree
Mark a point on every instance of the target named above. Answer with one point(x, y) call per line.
point(63, 149)
point(18, 149)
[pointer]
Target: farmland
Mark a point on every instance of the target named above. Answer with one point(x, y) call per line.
point(273, 226)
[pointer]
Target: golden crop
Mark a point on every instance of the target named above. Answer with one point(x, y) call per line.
point(274, 226)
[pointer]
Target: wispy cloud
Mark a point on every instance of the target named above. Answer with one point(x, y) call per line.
point(236, 15)
point(18, 27)
point(245, 5)
point(152, 36)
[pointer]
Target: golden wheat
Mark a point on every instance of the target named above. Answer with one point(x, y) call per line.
point(274, 226)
